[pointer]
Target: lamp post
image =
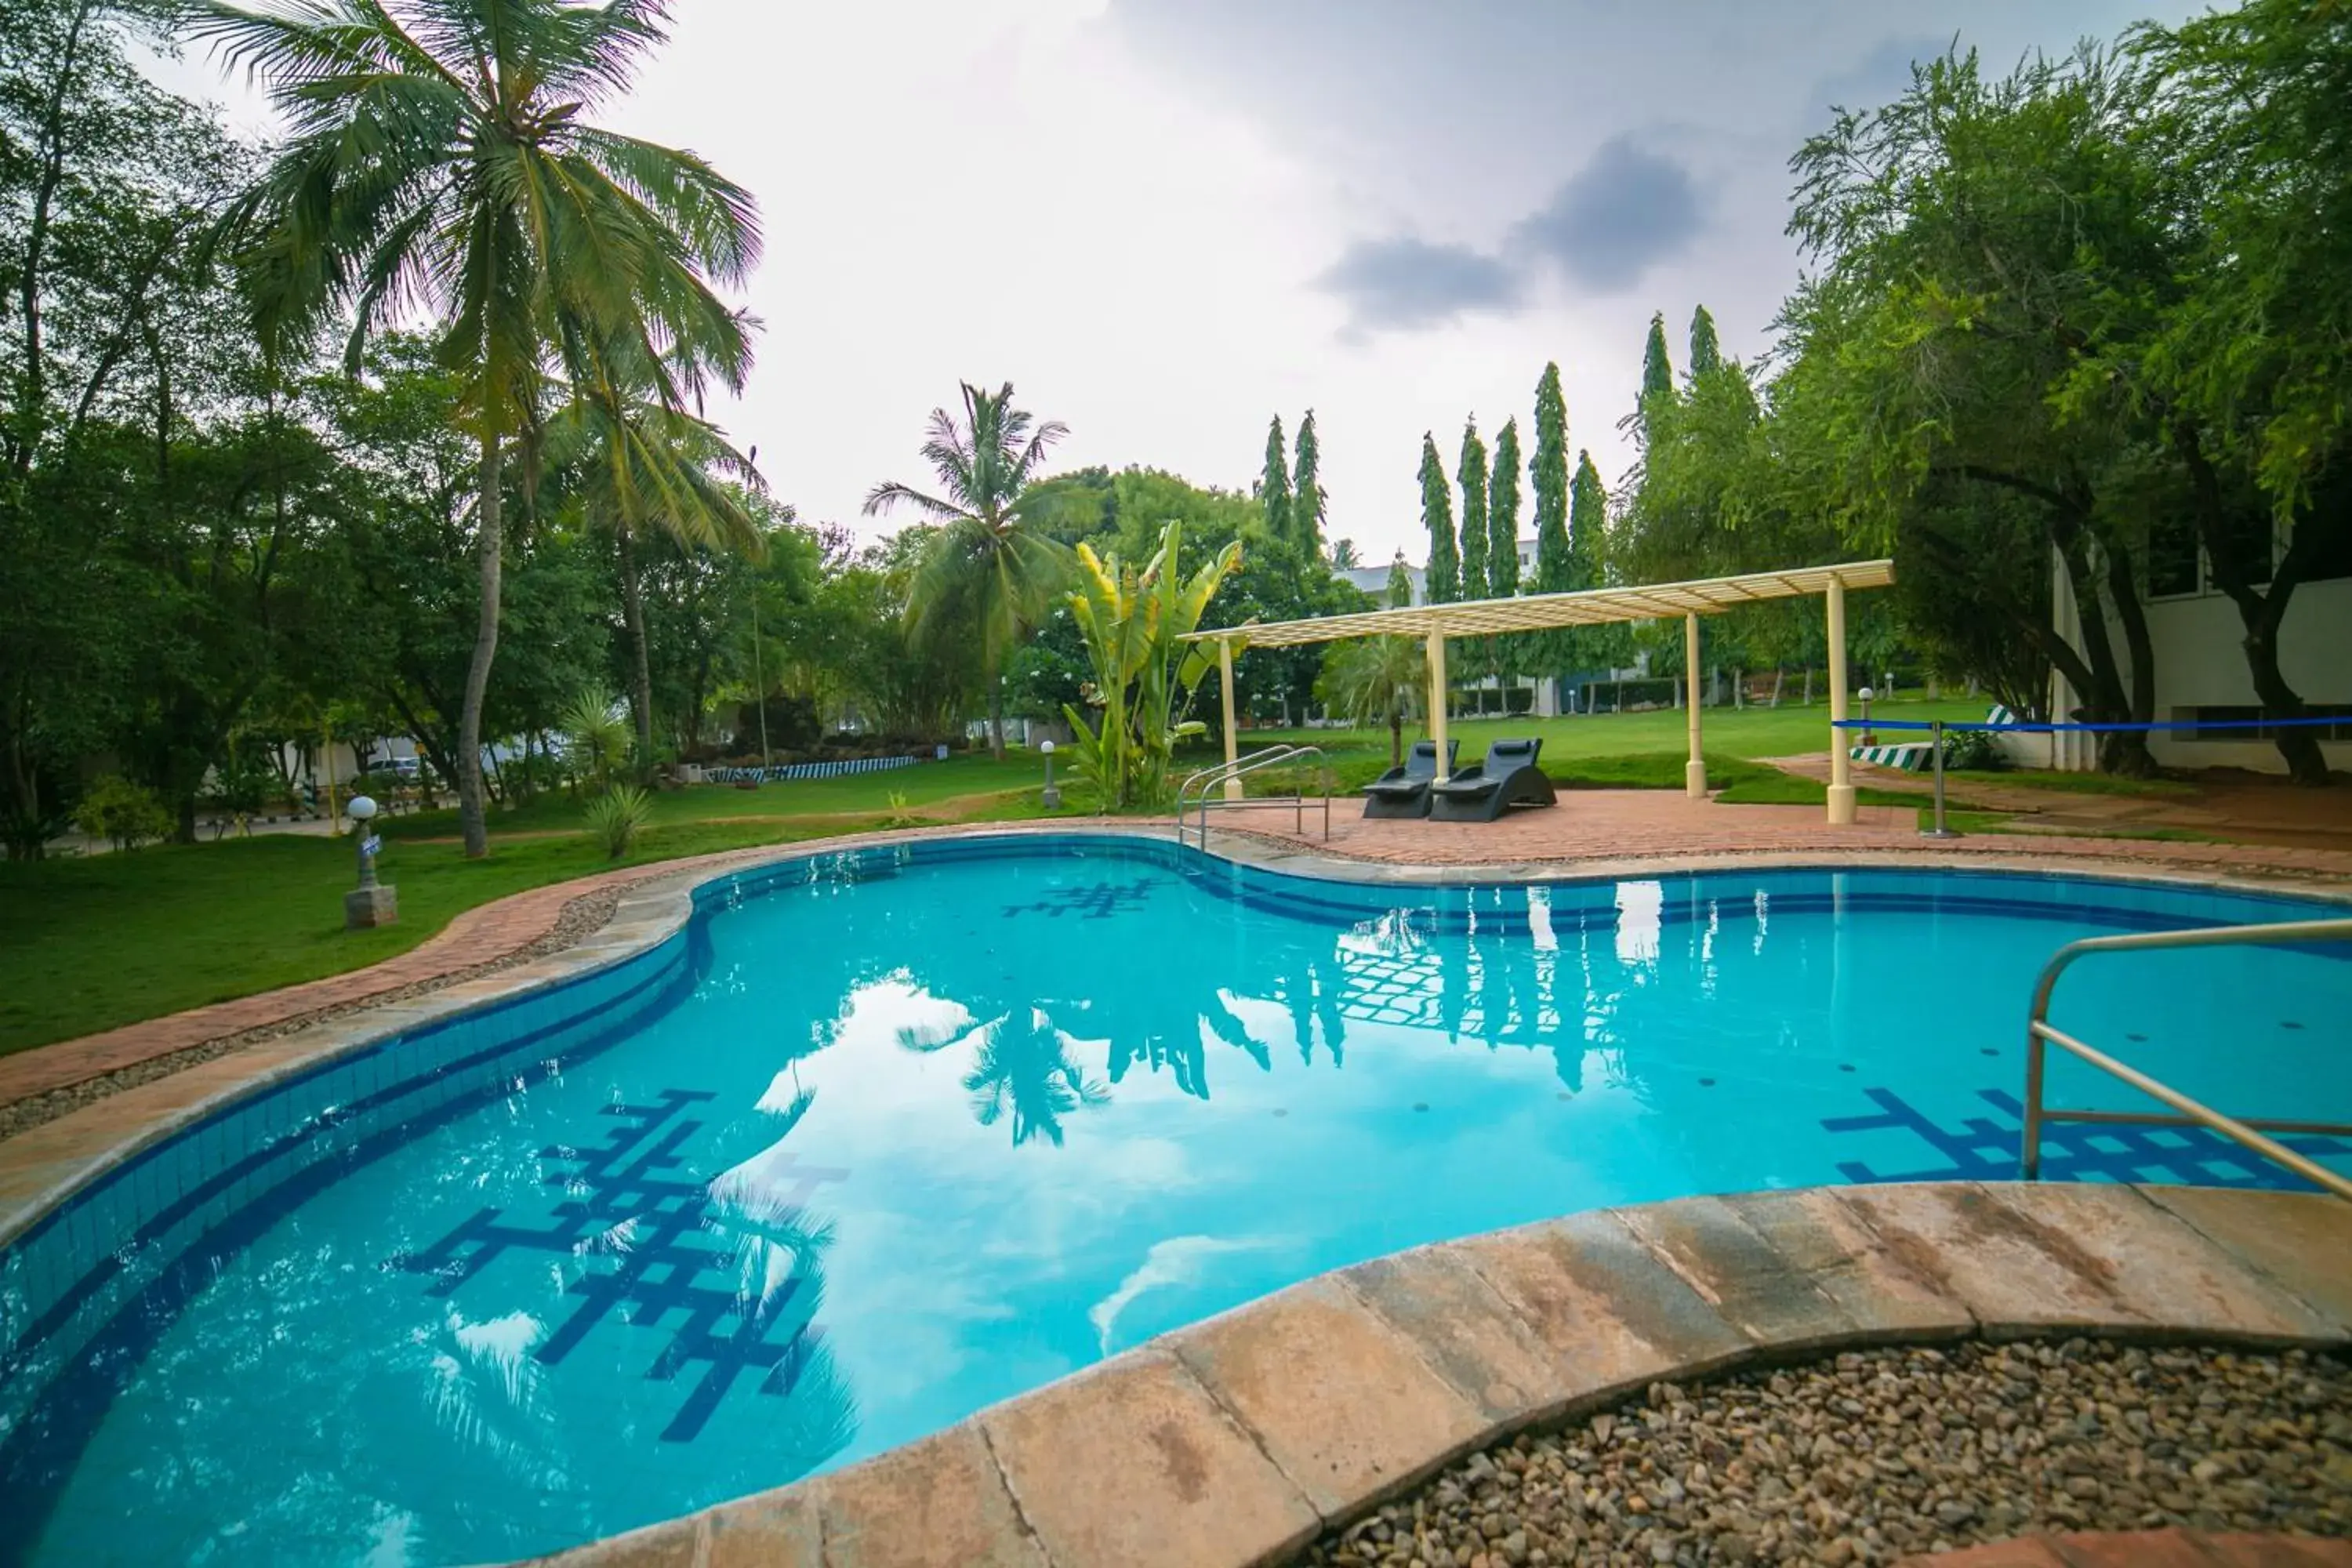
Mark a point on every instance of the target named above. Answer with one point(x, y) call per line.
point(1053, 798)
point(371, 904)
point(1867, 738)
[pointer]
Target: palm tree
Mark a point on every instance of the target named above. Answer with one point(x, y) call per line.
point(640, 464)
point(986, 560)
point(439, 162)
point(1375, 680)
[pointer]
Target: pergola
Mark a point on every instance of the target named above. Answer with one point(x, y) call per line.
point(1597, 606)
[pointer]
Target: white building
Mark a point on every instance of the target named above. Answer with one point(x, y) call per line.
point(2197, 638)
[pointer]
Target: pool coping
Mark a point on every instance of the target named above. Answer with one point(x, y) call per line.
point(1240, 1439)
point(44, 1165)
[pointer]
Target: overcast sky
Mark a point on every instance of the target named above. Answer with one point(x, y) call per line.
point(1166, 220)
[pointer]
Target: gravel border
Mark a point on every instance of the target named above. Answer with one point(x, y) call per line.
point(1879, 1455)
point(580, 918)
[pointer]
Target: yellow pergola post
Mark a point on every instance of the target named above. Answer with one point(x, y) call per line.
point(1233, 734)
point(1437, 700)
point(1695, 770)
point(1841, 797)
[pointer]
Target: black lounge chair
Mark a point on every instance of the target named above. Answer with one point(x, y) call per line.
point(1405, 792)
point(1484, 791)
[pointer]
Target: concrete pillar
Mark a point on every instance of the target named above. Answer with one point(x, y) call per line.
point(1232, 731)
point(1841, 763)
point(1695, 770)
point(1437, 700)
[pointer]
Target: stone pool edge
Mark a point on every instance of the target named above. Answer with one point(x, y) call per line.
point(43, 1166)
point(1240, 1439)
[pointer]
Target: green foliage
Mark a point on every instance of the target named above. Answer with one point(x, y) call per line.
point(616, 816)
point(1378, 681)
point(1974, 749)
point(985, 571)
point(1309, 500)
point(1132, 622)
point(597, 738)
point(1657, 377)
point(1503, 515)
point(123, 814)
point(1273, 482)
point(1548, 475)
point(1442, 580)
point(442, 160)
point(1472, 474)
point(1705, 351)
point(1400, 585)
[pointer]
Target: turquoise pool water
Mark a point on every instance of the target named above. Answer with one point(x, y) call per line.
point(888, 1137)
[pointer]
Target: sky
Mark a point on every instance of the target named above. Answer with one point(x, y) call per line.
point(1166, 221)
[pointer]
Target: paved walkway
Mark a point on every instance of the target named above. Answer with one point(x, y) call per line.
point(2148, 1549)
point(1618, 825)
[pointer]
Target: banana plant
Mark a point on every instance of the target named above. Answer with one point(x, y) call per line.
point(1144, 675)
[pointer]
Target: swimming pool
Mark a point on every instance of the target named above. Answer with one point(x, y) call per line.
point(884, 1137)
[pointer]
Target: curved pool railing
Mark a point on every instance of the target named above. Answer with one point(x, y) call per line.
point(1233, 772)
point(2247, 1131)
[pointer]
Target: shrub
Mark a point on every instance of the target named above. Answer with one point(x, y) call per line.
point(121, 813)
point(1975, 749)
point(596, 737)
point(616, 816)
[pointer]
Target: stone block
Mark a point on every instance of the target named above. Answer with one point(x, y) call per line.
point(938, 1502)
point(1340, 1400)
point(1749, 1283)
point(1132, 1462)
point(1613, 1317)
point(768, 1530)
point(1465, 1330)
point(367, 908)
point(2032, 1258)
point(2302, 1241)
point(1822, 1239)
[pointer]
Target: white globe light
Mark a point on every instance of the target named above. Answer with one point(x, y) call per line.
point(1046, 747)
point(360, 808)
point(1866, 694)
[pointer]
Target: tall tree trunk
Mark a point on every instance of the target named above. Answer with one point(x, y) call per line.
point(641, 678)
point(995, 712)
point(2261, 611)
point(473, 814)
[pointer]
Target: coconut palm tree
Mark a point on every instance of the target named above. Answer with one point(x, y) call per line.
point(637, 464)
point(986, 566)
point(440, 161)
point(1376, 680)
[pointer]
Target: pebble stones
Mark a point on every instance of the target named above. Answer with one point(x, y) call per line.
point(1877, 1455)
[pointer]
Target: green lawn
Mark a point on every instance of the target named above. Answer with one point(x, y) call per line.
point(90, 944)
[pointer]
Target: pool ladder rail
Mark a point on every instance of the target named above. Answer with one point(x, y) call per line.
point(2248, 1131)
point(1209, 779)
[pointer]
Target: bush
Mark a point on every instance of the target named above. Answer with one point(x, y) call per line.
point(1975, 749)
point(616, 816)
point(121, 813)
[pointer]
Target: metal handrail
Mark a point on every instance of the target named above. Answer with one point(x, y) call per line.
point(1270, 756)
point(2248, 1131)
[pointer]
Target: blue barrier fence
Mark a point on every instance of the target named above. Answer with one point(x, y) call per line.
point(2024, 727)
point(782, 770)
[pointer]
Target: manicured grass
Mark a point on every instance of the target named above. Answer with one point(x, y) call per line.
point(90, 944)
point(2075, 783)
point(1787, 731)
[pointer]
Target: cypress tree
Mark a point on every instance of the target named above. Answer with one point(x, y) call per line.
point(1472, 475)
point(1307, 496)
point(1503, 515)
point(1588, 648)
point(1442, 583)
point(1588, 517)
point(1274, 488)
point(1400, 584)
point(1547, 476)
point(1706, 352)
point(1657, 371)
